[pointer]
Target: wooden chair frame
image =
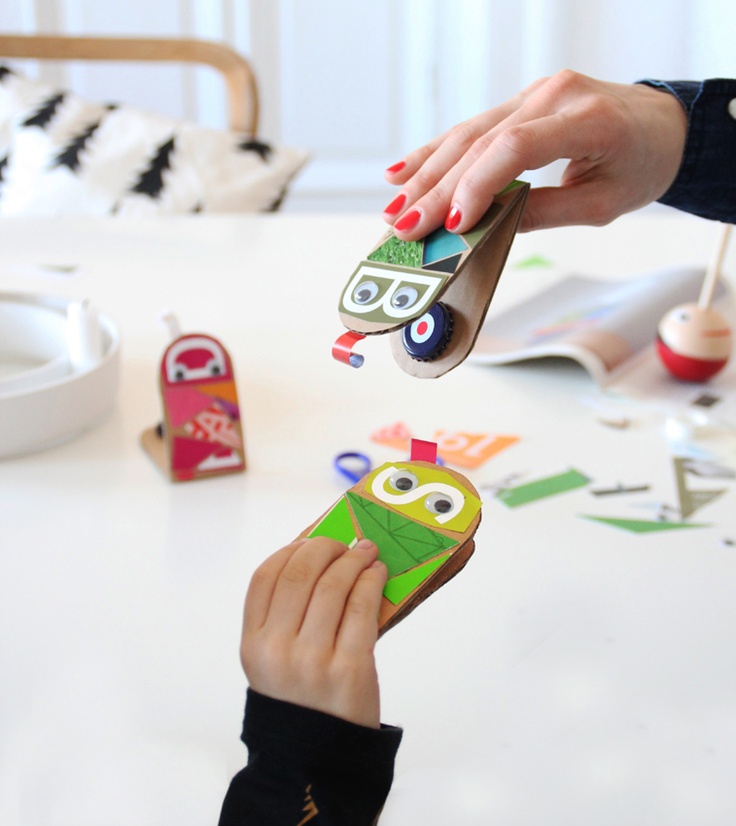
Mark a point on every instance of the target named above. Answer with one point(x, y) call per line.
point(242, 90)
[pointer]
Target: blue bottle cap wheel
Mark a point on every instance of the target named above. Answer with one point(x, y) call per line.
point(427, 337)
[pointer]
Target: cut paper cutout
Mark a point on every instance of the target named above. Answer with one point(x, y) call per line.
point(691, 500)
point(342, 349)
point(442, 244)
point(423, 451)
point(420, 558)
point(619, 489)
point(470, 450)
point(454, 447)
point(542, 488)
point(642, 525)
point(424, 493)
point(448, 265)
point(201, 434)
point(401, 281)
point(396, 435)
point(401, 586)
point(532, 261)
point(403, 543)
point(337, 524)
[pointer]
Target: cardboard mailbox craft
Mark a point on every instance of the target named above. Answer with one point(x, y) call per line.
point(201, 433)
point(431, 295)
point(422, 516)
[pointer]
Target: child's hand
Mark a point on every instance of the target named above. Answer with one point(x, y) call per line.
point(310, 625)
point(624, 143)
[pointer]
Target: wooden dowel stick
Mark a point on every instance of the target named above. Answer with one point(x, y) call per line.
point(714, 268)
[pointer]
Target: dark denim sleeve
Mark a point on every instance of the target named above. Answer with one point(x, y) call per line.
point(706, 182)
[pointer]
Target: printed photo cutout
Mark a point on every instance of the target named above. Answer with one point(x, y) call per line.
point(201, 433)
point(432, 295)
point(421, 516)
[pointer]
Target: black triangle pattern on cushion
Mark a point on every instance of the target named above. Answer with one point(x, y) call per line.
point(69, 156)
point(43, 116)
point(263, 150)
point(66, 155)
point(151, 181)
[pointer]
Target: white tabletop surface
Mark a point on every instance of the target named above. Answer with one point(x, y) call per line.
point(574, 673)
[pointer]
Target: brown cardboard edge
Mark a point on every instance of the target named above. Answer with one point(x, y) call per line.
point(469, 297)
point(391, 615)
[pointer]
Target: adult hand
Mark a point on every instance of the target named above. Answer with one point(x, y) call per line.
point(624, 143)
point(310, 626)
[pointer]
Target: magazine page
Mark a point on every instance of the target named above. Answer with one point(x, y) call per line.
point(599, 323)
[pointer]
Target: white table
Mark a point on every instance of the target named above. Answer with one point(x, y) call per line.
point(573, 674)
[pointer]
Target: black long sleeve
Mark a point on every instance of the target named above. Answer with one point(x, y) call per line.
point(306, 767)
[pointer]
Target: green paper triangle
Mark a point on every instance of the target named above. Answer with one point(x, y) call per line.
point(402, 542)
point(532, 261)
point(642, 525)
point(336, 524)
point(399, 588)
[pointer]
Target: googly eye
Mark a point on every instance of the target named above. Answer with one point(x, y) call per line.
point(404, 298)
point(403, 480)
point(215, 370)
point(439, 503)
point(179, 375)
point(365, 292)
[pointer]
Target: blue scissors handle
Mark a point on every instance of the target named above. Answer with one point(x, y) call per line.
point(352, 465)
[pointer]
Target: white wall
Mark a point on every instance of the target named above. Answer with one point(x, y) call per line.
point(359, 84)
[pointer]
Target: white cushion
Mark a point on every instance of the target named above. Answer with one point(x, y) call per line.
point(66, 155)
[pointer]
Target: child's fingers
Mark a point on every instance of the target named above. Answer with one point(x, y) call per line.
point(359, 628)
point(262, 585)
point(331, 592)
point(293, 590)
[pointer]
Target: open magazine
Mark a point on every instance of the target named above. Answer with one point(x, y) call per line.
point(600, 324)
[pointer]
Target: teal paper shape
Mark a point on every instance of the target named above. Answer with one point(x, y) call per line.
point(402, 542)
point(441, 244)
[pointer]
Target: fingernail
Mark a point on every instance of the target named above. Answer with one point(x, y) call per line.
point(454, 216)
point(408, 221)
point(366, 544)
point(395, 206)
point(397, 167)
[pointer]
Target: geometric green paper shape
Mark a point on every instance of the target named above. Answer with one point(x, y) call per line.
point(532, 261)
point(642, 525)
point(336, 524)
point(402, 543)
point(399, 253)
point(691, 500)
point(541, 488)
point(401, 586)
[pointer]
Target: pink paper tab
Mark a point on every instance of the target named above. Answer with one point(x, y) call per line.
point(423, 451)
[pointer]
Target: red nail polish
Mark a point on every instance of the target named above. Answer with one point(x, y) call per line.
point(395, 206)
point(408, 221)
point(397, 167)
point(454, 216)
